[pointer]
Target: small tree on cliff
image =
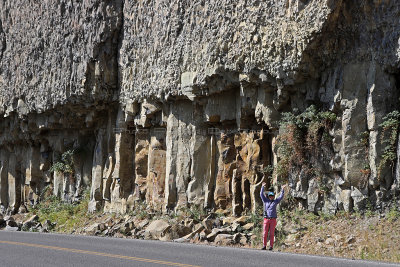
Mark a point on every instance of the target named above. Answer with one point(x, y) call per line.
point(65, 165)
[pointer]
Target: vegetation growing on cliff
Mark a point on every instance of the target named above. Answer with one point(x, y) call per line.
point(390, 130)
point(65, 164)
point(303, 137)
point(66, 216)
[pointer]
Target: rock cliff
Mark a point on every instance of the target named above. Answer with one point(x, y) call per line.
point(180, 103)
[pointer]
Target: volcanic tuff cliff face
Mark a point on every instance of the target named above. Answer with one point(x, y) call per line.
point(179, 102)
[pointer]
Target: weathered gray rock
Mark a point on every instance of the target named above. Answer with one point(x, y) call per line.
point(242, 220)
point(81, 48)
point(4, 154)
point(196, 232)
point(156, 229)
point(143, 224)
point(175, 232)
point(225, 239)
point(178, 165)
point(360, 199)
point(248, 226)
point(97, 173)
point(12, 229)
point(345, 200)
point(313, 196)
point(92, 229)
point(155, 170)
point(208, 223)
point(125, 228)
point(48, 225)
point(217, 231)
point(30, 222)
point(14, 186)
point(228, 220)
point(396, 184)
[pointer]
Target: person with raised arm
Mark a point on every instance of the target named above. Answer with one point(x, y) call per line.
point(270, 215)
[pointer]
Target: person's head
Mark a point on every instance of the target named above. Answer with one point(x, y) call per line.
point(271, 195)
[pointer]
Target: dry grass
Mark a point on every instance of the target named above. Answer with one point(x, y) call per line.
point(349, 236)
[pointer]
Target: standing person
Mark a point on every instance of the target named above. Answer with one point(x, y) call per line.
point(270, 215)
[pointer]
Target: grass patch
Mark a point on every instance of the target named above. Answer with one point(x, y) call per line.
point(257, 231)
point(196, 213)
point(140, 211)
point(67, 216)
point(393, 214)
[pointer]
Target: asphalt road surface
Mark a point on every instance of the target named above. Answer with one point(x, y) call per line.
point(36, 249)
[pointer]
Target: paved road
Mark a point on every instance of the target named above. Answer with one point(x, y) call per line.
point(35, 249)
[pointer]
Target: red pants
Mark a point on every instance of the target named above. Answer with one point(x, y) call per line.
point(269, 225)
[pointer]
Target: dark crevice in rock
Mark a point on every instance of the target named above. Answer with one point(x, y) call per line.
point(3, 44)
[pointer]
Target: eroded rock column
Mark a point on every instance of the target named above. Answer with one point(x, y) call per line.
point(100, 153)
point(178, 138)
point(4, 158)
point(156, 169)
point(226, 165)
point(382, 99)
point(14, 184)
point(58, 176)
point(33, 176)
point(123, 174)
point(141, 165)
point(202, 169)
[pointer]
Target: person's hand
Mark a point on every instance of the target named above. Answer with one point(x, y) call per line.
point(263, 184)
point(284, 187)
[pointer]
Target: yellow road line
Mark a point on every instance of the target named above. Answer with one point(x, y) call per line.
point(98, 254)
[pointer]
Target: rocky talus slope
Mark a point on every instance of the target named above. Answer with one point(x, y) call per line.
point(179, 104)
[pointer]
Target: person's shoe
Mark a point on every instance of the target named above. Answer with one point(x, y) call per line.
point(270, 248)
point(263, 248)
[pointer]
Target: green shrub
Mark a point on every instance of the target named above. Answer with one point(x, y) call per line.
point(390, 130)
point(65, 164)
point(67, 216)
point(140, 211)
point(393, 214)
point(196, 212)
point(363, 139)
point(326, 216)
point(302, 137)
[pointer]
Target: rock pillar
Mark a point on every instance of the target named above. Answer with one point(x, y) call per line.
point(100, 152)
point(156, 169)
point(179, 133)
point(202, 169)
point(4, 158)
point(14, 184)
point(58, 177)
point(33, 175)
point(141, 165)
